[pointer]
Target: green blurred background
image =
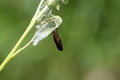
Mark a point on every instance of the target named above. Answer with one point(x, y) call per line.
point(90, 34)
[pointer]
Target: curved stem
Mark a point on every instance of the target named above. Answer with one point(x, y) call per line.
point(19, 50)
point(10, 56)
point(37, 16)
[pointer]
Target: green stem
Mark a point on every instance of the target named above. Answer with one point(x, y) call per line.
point(36, 17)
point(10, 56)
point(19, 50)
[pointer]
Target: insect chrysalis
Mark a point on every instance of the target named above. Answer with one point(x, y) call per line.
point(45, 28)
point(57, 40)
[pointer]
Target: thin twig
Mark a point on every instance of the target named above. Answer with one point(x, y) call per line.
point(38, 14)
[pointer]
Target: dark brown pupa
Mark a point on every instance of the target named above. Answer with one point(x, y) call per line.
point(57, 40)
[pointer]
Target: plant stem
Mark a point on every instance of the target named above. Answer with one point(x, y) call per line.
point(36, 17)
point(10, 56)
point(19, 50)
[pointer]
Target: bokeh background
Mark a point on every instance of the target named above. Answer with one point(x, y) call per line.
point(90, 34)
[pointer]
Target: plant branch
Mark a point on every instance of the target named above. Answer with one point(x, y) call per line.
point(31, 25)
point(41, 11)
